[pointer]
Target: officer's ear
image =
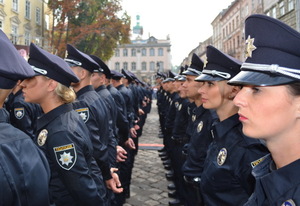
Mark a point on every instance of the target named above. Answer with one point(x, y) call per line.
point(52, 85)
point(234, 91)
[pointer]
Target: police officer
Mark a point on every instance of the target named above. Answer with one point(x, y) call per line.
point(226, 178)
point(201, 120)
point(61, 133)
point(21, 162)
point(269, 107)
point(94, 112)
point(23, 115)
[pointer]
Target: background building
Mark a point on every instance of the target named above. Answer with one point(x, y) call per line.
point(26, 21)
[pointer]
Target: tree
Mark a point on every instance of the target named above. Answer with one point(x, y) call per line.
point(92, 26)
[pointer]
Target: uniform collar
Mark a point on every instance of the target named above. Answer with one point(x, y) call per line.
point(100, 88)
point(221, 128)
point(4, 116)
point(48, 117)
point(275, 183)
point(84, 90)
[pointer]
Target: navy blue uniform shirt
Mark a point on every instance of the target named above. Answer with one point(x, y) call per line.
point(64, 138)
point(275, 186)
point(226, 178)
point(24, 170)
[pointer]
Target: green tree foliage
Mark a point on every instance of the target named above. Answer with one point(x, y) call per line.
point(92, 26)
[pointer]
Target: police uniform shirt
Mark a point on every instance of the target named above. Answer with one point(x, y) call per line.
point(226, 178)
point(275, 186)
point(171, 113)
point(181, 120)
point(93, 111)
point(199, 142)
point(23, 115)
point(24, 170)
point(111, 105)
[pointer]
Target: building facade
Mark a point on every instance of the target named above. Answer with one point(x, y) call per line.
point(26, 21)
point(228, 25)
point(143, 57)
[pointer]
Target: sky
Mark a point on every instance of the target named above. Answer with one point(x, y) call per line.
point(187, 22)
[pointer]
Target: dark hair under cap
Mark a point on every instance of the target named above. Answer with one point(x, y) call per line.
point(195, 67)
point(13, 66)
point(116, 75)
point(220, 66)
point(52, 66)
point(104, 67)
point(80, 59)
point(273, 53)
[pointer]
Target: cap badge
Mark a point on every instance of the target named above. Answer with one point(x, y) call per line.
point(200, 126)
point(205, 62)
point(289, 202)
point(42, 137)
point(249, 46)
point(222, 156)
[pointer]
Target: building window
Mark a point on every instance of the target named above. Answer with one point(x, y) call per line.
point(233, 26)
point(27, 38)
point(274, 12)
point(152, 66)
point(160, 52)
point(133, 52)
point(117, 53)
point(117, 66)
point(1, 24)
point(238, 41)
point(38, 16)
point(27, 9)
point(15, 5)
point(152, 53)
point(144, 66)
point(125, 65)
point(14, 34)
point(133, 66)
point(237, 21)
point(281, 8)
point(223, 33)
point(160, 66)
point(290, 5)
point(144, 52)
point(125, 53)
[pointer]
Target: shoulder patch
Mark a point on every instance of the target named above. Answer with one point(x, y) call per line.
point(289, 202)
point(19, 112)
point(65, 156)
point(84, 113)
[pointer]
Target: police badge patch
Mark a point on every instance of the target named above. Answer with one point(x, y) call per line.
point(200, 126)
point(65, 156)
point(84, 113)
point(222, 156)
point(193, 118)
point(19, 112)
point(289, 202)
point(42, 137)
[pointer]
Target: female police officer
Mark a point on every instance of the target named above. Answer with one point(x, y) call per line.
point(62, 134)
point(226, 178)
point(269, 107)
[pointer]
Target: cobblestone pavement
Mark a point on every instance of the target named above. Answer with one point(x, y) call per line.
point(149, 185)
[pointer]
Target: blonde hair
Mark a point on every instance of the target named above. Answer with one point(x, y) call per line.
point(66, 94)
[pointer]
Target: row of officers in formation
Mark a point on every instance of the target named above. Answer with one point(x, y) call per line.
point(69, 128)
point(236, 124)
point(231, 129)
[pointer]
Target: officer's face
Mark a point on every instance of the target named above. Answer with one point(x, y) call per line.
point(214, 94)
point(192, 87)
point(96, 80)
point(35, 89)
point(269, 112)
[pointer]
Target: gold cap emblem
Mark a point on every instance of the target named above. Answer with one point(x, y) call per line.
point(249, 46)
